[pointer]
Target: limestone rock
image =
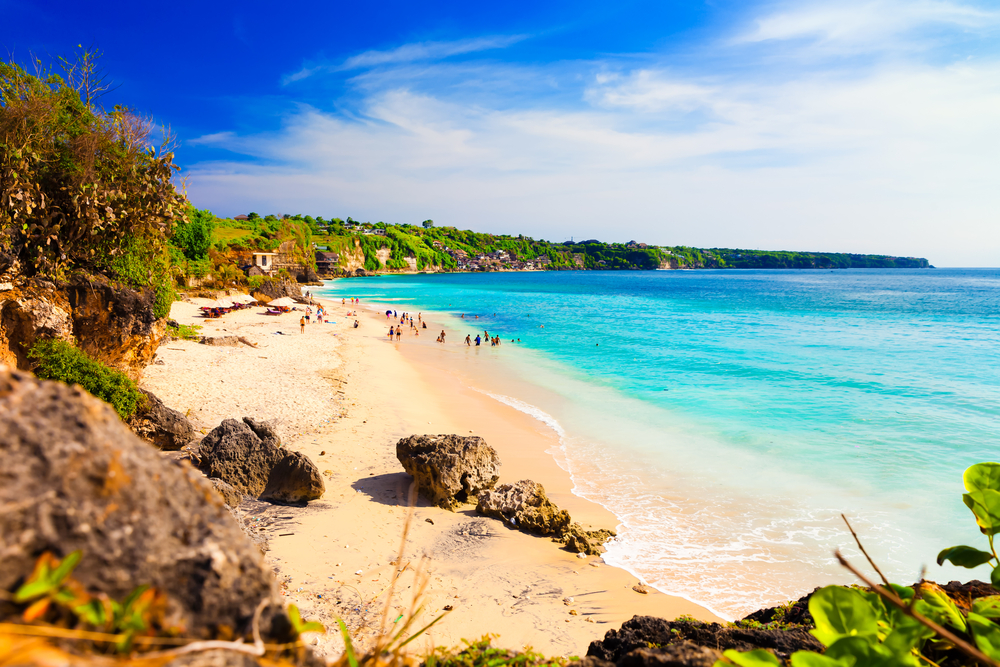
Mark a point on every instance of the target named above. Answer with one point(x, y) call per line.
point(72, 476)
point(294, 479)
point(524, 505)
point(248, 456)
point(589, 542)
point(164, 427)
point(681, 654)
point(228, 493)
point(35, 310)
point(449, 469)
point(228, 341)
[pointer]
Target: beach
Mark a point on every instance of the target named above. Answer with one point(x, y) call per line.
point(344, 396)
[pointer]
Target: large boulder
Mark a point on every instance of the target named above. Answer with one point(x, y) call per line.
point(164, 427)
point(449, 469)
point(524, 505)
point(73, 477)
point(249, 457)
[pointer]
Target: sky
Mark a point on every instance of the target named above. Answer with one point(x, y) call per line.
point(840, 126)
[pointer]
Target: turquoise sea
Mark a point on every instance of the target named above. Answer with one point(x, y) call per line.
point(727, 418)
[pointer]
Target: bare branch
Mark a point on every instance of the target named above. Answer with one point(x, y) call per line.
point(860, 546)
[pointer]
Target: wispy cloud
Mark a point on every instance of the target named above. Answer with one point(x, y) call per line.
point(408, 53)
point(870, 24)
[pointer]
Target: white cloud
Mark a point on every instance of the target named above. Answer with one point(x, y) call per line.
point(865, 24)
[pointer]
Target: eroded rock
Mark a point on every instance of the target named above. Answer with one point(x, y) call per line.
point(72, 476)
point(590, 542)
point(524, 505)
point(164, 427)
point(248, 456)
point(449, 469)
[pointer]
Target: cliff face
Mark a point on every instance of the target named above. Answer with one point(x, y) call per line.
point(113, 325)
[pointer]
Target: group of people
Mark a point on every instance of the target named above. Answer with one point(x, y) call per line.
point(307, 318)
point(494, 340)
point(397, 330)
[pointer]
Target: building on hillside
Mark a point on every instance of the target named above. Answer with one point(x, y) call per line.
point(265, 261)
point(375, 232)
point(326, 262)
point(242, 217)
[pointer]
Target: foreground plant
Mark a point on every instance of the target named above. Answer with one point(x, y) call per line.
point(894, 626)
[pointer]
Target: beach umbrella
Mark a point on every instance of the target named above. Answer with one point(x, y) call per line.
point(221, 303)
point(242, 298)
point(283, 301)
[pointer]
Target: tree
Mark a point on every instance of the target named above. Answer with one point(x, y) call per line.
point(194, 237)
point(82, 187)
point(427, 224)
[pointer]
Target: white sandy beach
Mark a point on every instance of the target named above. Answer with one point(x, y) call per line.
point(344, 397)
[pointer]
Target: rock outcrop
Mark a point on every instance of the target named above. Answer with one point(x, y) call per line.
point(249, 457)
point(590, 542)
point(449, 469)
point(275, 289)
point(73, 477)
point(111, 324)
point(164, 427)
point(643, 632)
point(525, 506)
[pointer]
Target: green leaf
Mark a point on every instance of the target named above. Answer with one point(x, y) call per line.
point(985, 505)
point(352, 659)
point(988, 606)
point(810, 659)
point(982, 476)
point(939, 608)
point(986, 633)
point(907, 634)
point(964, 556)
point(995, 577)
point(858, 652)
point(756, 658)
point(842, 612)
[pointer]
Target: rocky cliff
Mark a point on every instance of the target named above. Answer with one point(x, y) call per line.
point(112, 324)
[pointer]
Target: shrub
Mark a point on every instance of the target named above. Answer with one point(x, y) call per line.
point(58, 360)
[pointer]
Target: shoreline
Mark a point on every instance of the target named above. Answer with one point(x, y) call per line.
point(351, 395)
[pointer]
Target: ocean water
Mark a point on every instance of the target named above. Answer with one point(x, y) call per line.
point(728, 418)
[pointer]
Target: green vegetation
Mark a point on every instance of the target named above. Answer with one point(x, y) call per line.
point(902, 626)
point(58, 360)
point(184, 331)
point(83, 189)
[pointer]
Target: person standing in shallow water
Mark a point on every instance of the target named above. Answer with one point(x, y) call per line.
point(468, 340)
point(478, 340)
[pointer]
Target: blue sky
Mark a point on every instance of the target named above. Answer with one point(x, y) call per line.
point(870, 126)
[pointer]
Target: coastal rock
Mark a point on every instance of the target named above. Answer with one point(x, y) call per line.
point(249, 457)
point(164, 427)
point(275, 289)
point(226, 341)
point(449, 469)
point(227, 491)
point(29, 312)
point(590, 542)
point(293, 479)
point(73, 477)
point(641, 632)
point(525, 506)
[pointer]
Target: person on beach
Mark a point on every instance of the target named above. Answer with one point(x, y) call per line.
point(343, 302)
point(392, 333)
point(423, 325)
point(478, 340)
point(442, 335)
point(399, 333)
point(463, 316)
point(302, 325)
point(309, 314)
point(356, 325)
point(468, 340)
